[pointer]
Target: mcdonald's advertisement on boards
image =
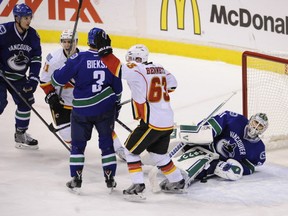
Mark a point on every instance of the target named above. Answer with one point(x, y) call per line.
point(257, 24)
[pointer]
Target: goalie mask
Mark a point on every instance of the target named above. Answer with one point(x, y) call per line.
point(257, 125)
point(65, 40)
point(138, 53)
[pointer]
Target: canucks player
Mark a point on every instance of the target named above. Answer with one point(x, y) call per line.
point(234, 140)
point(20, 50)
point(97, 95)
point(61, 105)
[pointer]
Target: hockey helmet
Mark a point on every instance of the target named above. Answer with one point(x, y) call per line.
point(138, 53)
point(257, 125)
point(67, 34)
point(92, 36)
point(21, 10)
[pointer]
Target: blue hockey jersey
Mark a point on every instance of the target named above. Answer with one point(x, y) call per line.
point(231, 141)
point(96, 88)
point(19, 52)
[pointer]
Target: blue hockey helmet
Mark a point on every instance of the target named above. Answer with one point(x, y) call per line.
point(92, 36)
point(21, 10)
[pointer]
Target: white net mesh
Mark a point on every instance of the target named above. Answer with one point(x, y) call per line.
point(267, 92)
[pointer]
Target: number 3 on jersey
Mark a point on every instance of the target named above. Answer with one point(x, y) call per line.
point(99, 77)
point(158, 88)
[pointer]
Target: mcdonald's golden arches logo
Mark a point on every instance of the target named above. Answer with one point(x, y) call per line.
point(180, 15)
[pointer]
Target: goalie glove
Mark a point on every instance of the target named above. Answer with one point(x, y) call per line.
point(103, 43)
point(55, 102)
point(231, 169)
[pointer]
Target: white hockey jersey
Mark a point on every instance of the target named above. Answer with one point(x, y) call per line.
point(55, 60)
point(150, 84)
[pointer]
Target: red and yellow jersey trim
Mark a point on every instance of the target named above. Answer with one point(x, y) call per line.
point(113, 64)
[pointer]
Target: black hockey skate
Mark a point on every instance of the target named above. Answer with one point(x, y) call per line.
point(134, 193)
point(109, 179)
point(24, 140)
point(75, 184)
point(172, 187)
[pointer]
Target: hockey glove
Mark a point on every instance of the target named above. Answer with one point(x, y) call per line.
point(103, 43)
point(30, 85)
point(55, 102)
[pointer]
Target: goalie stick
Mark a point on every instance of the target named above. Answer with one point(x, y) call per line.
point(40, 117)
point(152, 175)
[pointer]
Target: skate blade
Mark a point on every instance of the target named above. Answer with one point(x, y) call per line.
point(180, 191)
point(111, 190)
point(134, 197)
point(26, 147)
point(76, 191)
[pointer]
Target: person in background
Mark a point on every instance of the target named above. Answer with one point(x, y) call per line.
point(20, 50)
point(96, 103)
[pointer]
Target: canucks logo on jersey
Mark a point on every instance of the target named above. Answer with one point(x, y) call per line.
point(18, 62)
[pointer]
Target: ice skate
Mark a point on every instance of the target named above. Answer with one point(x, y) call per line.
point(75, 184)
point(109, 180)
point(25, 141)
point(134, 193)
point(173, 187)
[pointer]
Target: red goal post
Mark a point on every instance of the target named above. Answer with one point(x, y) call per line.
point(265, 89)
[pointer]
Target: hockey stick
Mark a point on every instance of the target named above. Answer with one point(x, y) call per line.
point(75, 25)
point(53, 129)
point(73, 35)
point(123, 125)
point(120, 122)
point(152, 175)
point(40, 117)
point(125, 102)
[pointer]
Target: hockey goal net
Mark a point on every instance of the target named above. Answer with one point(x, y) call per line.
point(265, 89)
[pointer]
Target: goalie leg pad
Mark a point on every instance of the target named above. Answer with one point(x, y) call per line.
point(195, 160)
point(231, 170)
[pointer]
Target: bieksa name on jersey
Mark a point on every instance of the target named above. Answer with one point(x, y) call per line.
point(95, 64)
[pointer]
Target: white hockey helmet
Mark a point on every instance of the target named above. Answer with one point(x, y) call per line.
point(138, 53)
point(257, 125)
point(67, 34)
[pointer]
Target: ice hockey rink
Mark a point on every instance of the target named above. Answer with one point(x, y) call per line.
point(32, 183)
